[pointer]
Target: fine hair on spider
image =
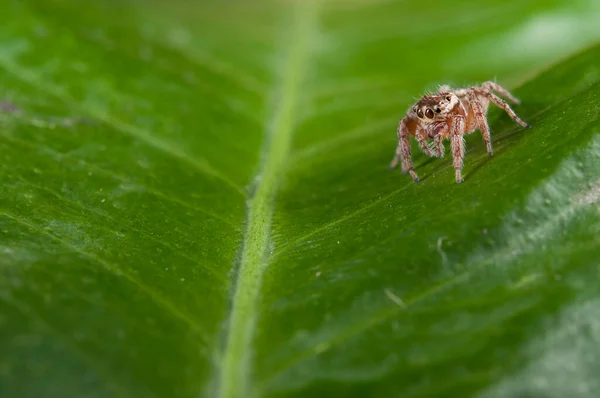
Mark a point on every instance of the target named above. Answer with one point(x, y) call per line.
point(450, 114)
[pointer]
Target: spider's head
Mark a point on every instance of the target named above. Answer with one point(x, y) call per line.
point(435, 107)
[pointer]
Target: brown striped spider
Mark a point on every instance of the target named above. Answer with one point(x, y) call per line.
point(450, 114)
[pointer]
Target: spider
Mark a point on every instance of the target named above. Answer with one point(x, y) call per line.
point(450, 114)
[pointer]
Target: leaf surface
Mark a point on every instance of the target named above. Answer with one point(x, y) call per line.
point(194, 201)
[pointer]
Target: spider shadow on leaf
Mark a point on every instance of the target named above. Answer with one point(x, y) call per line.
point(425, 162)
point(502, 143)
point(507, 134)
point(476, 146)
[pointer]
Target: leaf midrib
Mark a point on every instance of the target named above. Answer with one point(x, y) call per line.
point(235, 365)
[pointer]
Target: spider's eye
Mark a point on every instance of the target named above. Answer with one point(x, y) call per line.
point(429, 113)
point(437, 110)
point(420, 113)
point(448, 98)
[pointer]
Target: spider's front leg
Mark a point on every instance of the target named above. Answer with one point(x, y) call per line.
point(403, 154)
point(457, 143)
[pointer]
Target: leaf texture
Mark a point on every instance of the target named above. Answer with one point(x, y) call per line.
point(194, 201)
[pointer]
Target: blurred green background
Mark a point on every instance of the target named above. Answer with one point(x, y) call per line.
point(194, 201)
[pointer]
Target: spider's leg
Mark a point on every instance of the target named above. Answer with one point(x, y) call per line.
point(457, 143)
point(439, 146)
point(493, 86)
point(396, 158)
point(402, 135)
point(499, 102)
point(482, 122)
point(403, 154)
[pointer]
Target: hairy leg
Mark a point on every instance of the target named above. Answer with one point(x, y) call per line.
point(403, 154)
point(493, 86)
point(439, 146)
point(457, 144)
point(482, 122)
point(500, 103)
point(397, 157)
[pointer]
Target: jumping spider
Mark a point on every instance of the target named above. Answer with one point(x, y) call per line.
point(450, 114)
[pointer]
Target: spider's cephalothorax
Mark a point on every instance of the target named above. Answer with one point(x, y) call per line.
point(449, 114)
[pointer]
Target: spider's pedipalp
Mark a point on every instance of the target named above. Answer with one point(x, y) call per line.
point(423, 144)
point(439, 146)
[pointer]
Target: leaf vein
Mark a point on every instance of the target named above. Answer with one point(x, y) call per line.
point(112, 268)
point(68, 342)
point(122, 178)
point(164, 146)
point(141, 232)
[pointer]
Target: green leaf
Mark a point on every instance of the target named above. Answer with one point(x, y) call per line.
point(194, 201)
